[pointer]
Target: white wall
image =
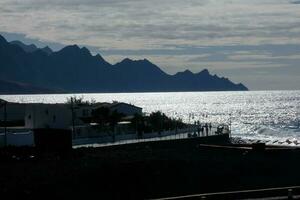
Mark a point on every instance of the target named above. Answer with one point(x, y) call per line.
point(48, 116)
point(17, 139)
point(20, 139)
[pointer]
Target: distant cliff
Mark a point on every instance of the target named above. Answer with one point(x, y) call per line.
point(74, 69)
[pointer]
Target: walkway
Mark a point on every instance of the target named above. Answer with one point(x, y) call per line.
point(132, 138)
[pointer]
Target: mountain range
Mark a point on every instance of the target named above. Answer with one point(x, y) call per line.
point(31, 48)
point(74, 69)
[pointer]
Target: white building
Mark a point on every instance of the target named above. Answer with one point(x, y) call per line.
point(56, 116)
point(85, 111)
point(14, 111)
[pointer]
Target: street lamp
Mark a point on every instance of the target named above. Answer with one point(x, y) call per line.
point(230, 124)
point(4, 104)
point(297, 117)
point(73, 118)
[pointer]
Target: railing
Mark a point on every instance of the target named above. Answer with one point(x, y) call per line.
point(292, 192)
point(22, 136)
point(17, 138)
point(111, 139)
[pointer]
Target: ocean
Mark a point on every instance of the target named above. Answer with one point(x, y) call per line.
point(253, 115)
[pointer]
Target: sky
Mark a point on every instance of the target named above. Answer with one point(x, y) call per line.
point(256, 42)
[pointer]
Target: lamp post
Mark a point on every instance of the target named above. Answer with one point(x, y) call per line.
point(176, 127)
point(4, 104)
point(297, 116)
point(229, 124)
point(73, 119)
point(5, 121)
point(189, 130)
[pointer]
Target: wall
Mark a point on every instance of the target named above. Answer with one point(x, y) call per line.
point(57, 116)
point(17, 139)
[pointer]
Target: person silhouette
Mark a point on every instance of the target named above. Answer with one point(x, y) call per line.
point(206, 129)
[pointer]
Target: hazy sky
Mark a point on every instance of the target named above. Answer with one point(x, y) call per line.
point(256, 42)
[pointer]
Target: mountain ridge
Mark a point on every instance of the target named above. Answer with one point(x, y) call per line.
point(31, 47)
point(75, 69)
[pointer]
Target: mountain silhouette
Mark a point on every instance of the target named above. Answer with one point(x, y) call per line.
point(47, 50)
point(31, 47)
point(75, 69)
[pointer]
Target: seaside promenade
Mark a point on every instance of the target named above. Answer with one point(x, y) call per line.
point(190, 132)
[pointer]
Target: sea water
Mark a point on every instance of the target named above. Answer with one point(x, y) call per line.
point(257, 115)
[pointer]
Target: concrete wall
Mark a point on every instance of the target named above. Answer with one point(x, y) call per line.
point(17, 139)
point(58, 116)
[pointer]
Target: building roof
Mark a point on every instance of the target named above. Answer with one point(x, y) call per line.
point(114, 104)
point(96, 105)
point(104, 104)
point(2, 101)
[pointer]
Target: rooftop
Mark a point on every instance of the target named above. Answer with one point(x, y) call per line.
point(2, 101)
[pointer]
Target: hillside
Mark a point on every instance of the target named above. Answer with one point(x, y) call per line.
point(8, 87)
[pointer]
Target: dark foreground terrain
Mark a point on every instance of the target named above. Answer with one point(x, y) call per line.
point(141, 171)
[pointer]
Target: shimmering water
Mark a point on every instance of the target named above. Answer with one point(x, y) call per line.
point(267, 115)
